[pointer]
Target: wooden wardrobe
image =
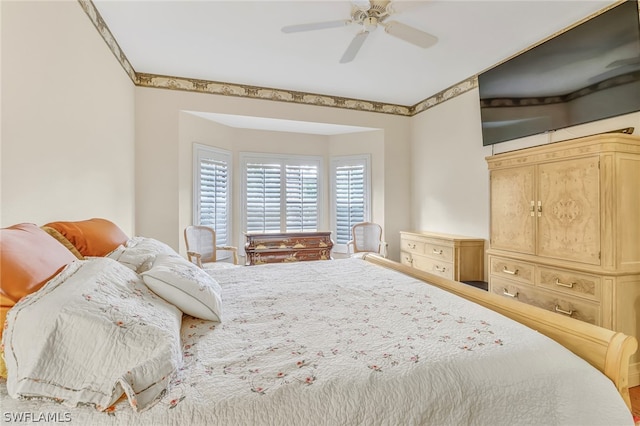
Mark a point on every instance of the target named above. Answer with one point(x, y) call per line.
point(565, 230)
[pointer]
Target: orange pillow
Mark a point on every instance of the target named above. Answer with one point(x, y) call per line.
point(29, 257)
point(93, 237)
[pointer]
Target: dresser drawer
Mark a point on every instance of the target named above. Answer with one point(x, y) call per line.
point(442, 269)
point(582, 310)
point(406, 258)
point(438, 252)
point(411, 245)
point(511, 289)
point(569, 282)
point(512, 269)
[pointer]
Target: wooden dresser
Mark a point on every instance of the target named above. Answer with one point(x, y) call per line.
point(450, 256)
point(287, 247)
point(565, 230)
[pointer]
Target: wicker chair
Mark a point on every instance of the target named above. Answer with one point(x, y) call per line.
point(367, 238)
point(202, 249)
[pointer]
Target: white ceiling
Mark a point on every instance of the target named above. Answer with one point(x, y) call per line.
point(241, 42)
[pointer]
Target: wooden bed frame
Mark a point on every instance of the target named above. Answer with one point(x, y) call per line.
point(607, 350)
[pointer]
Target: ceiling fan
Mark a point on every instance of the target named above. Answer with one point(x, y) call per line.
point(369, 15)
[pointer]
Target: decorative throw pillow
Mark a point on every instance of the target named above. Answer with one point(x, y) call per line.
point(138, 253)
point(186, 286)
point(93, 237)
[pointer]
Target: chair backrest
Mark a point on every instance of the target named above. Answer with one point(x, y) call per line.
point(367, 237)
point(201, 239)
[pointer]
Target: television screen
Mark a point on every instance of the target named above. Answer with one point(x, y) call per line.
point(587, 73)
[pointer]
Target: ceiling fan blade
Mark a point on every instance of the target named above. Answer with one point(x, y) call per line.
point(410, 34)
point(400, 6)
point(315, 26)
point(354, 47)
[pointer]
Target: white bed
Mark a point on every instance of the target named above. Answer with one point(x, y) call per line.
point(351, 342)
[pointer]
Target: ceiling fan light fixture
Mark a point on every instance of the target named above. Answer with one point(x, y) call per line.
point(370, 23)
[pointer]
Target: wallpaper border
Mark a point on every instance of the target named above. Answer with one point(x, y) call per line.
point(281, 95)
point(257, 92)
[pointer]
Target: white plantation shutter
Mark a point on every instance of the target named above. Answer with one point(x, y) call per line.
point(350, 202)
point(302, 198)
point(281, 194)
point(212, 191)
point(263, 190)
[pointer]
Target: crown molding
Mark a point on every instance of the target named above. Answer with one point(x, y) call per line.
point(257, 92)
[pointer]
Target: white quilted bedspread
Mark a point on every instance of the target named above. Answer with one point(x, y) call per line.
point(345, 342)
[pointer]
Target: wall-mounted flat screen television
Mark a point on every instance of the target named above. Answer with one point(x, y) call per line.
point(587, 73)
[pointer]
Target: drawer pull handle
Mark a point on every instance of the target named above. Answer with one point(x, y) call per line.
point(562, 311)
point(440, 268)
point(561, 284)
point(507, 271)
point(408, 260)
point(506, 293)
point(434, 251)
point(411, 246)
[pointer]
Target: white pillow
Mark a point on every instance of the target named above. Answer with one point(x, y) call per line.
point(186, 286)
point(139, 253)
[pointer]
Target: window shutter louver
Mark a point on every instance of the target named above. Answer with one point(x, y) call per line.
point(350, 198)
point(281, 193)
point(263, 197)
point(302, 198)
point(212, 196)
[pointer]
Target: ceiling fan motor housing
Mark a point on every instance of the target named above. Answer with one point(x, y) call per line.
point(377, 12)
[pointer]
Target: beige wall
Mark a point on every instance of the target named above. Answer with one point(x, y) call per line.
point(67, 119)
point(450, 189)
point(165, 134)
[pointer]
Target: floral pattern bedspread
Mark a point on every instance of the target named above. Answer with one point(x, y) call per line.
point(347, 342)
